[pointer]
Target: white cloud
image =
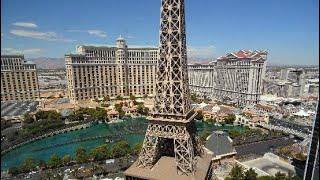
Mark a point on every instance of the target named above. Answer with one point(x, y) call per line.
point(49, 36)
point(201, 52)
point(98, 33)
point(23, 51)
point(25, 24)
point(95, 32)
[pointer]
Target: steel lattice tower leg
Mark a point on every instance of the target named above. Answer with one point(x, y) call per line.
point(171, 123)
point(184, 150)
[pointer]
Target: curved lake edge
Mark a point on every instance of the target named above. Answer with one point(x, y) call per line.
point(132, 129)
point(72, 128)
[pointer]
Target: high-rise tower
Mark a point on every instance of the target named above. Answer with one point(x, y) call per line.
point(170, 139)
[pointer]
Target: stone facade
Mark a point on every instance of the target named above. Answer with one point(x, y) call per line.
point(236, 77)
point(99, 71)
point(19, 81)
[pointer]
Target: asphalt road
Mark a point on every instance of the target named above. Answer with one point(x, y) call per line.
point(260, 148)
point(291, 125)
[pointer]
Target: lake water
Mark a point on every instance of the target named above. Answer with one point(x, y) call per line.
point(63, 144)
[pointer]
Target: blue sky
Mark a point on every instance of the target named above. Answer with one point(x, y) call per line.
point(288, 29)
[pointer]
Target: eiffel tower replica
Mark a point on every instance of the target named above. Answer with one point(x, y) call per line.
point(171, 149)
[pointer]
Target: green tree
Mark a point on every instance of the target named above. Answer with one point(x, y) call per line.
point(145, 96)
point(66, 159)
point(233, 134)
point(120, 149)
point(81, 155)
point(137, 148)
point(194, 98)
point(237, 173)
point(48, 115)
point(250, 175)
point(40, 127)
point(230, 119)
point(205, 133)
point(140, 109)
point(100, 152)
point(28, 165)
point(132, 97)
point(27, 118)
point(75, 117)
point(212, 120)
point(99, 114)
point(280, 176)
point(54, 161)
point(118, 107)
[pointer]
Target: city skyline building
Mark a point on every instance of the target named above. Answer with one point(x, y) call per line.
point(171, 148)
point(99, 71)
point(293, 82)
point(19, 80)
point(235, 77)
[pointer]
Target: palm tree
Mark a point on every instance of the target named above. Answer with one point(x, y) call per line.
point(250, 175)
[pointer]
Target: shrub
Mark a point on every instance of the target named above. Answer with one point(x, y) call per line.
point(120, 149)
point(28, 165)
point(100, 152)
point(54, 161)
point(66, 159)
point(27, 118)
point(81, 155)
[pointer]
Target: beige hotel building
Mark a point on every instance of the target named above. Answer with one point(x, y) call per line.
point(19, 80)
point(98, 71)
point(234, 77)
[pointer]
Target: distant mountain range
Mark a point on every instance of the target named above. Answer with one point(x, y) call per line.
point(49, 63)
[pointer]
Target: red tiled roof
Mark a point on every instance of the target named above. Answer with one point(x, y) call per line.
point(243, 54)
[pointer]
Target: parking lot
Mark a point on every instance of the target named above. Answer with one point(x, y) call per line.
point(18, 108)
point(291, 125)
point(260, 148)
